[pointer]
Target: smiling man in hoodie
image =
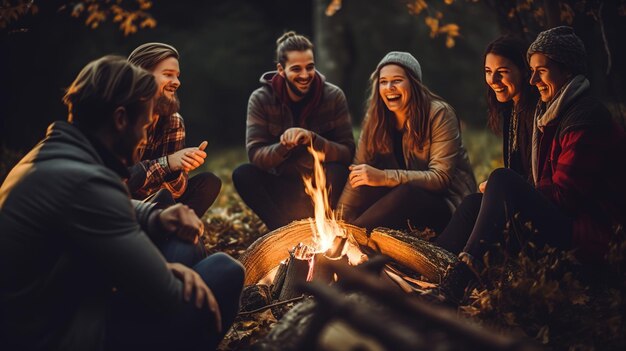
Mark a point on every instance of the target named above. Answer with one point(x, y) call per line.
point(294, 107)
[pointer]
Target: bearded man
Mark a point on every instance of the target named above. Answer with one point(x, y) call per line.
point(165, 161)
point(295, 107)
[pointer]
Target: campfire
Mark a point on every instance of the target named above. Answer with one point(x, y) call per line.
point(364, 310)
point(300, 251)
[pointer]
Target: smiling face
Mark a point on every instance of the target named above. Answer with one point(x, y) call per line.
point(166, 74)
point(299, 71)
point(548, 76)
point(503, 77)
point(394, 88)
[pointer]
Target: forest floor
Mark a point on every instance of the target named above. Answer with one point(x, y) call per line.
point(538, 295)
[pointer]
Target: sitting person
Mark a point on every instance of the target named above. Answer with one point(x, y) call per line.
point(293, 108)
point(165, 161)
point(410, 164)
point(511, 102)
point(78, 270)
point(578, 169)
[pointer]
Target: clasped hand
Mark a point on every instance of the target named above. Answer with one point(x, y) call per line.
point(193, 282)
point(364, 174)
point(187, 159)
point(293, 137)
point(183, 222)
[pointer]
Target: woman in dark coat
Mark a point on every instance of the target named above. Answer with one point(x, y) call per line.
point(511, 102)
point(578, 168)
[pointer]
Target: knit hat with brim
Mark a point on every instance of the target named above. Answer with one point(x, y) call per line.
point(403, 59)
point(560, 44)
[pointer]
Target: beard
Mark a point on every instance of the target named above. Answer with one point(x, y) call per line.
point(165, 106)
point(297, 92)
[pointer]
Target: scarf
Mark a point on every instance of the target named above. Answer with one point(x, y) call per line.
point(548, 114)
point(280, 88)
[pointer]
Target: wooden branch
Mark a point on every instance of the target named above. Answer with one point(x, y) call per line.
point(437, 317)
point(275, 304)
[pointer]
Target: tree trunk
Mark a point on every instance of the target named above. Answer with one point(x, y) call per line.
point(331, 56)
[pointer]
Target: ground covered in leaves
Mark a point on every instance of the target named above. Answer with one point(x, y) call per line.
point(540, 294)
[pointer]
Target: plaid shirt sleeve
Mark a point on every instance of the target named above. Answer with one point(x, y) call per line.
point(154, 169)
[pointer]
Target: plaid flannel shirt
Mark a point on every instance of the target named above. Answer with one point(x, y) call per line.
point(152, 173)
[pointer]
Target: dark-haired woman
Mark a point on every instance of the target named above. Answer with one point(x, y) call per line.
point(410, 166)
point(511, 102)
point(578, 196)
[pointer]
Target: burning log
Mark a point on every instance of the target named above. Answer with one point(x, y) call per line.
point(295, 275)
point(267, 252)
point(420, 256)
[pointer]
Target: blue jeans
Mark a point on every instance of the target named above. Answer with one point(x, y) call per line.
point(132, 326)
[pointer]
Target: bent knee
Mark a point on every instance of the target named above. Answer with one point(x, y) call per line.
point(231, 267)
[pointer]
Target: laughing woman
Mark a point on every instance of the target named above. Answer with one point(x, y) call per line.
point(410, 165)
point(511, 102)
point(578, 169)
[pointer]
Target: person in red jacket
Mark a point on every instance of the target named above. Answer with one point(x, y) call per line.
point(578, 167)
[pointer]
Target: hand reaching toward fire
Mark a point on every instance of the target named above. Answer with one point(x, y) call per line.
point(193, 282)
point(364, 174)
point(182, 221)
point(293, 137)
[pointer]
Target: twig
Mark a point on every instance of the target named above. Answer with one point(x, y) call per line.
point(270, 306)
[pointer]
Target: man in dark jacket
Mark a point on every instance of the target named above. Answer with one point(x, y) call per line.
point(293, 108)
point(78, 271)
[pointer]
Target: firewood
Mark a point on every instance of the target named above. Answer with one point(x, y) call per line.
point(269, 250)
point(418, 255)
point(279, 280)
point(296, 273)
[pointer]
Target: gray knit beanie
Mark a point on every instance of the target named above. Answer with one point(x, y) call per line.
point(403, 59)
point(561, 45)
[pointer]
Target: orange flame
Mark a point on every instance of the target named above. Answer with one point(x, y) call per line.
point(324, 226)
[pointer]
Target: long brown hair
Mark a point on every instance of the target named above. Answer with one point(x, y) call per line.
point(379, 120)
point(514, 49)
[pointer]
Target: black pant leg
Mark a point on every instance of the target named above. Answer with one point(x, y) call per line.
point(508, 194)
point(202, 190)
point(133, 326)
point(405, 204)
point(455, 235)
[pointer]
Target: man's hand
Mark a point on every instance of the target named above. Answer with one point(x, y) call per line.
point(182, 221)
point(187, 159)
point(193, 282)
point(364, 174)
point(482, 187)
point(293, 137)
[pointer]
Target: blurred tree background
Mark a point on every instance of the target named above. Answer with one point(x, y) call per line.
point(226, 45)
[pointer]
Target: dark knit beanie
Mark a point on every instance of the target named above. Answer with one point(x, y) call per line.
point(403, 59)
point(560, 44)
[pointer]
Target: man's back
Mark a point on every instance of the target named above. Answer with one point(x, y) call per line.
point(57, 208)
